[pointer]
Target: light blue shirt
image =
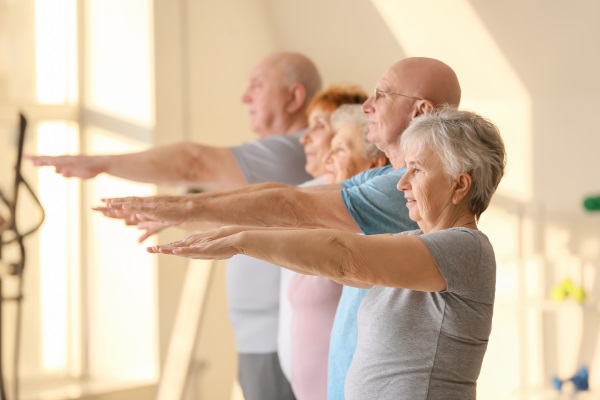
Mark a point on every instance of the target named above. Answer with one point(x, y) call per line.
point(376, 206)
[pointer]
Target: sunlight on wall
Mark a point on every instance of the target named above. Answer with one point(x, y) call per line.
point(59, 252)
point(452, 32)
point(56, 69)
point(119, 78)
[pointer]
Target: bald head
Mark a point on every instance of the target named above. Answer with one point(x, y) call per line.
point(296, 68)
point(407, 89)
point(427, 78)
point(280, 87)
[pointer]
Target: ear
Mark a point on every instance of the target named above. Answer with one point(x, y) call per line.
point(422, 107)
point(462, 187)
point(296, 98)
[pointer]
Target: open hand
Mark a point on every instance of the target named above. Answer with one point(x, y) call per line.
point(79, 166)
point(217, 244)
point(160, 208)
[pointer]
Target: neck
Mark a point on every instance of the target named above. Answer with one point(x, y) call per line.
point(396, 157)
point(458, 220)
point(287, 127)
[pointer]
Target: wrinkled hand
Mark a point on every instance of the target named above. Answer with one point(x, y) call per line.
point(129, 217)
point(143, 223)
point(81, 166)
point(159, 208)
point(217, 244)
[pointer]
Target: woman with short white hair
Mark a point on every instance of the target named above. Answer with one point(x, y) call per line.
point(425, 323)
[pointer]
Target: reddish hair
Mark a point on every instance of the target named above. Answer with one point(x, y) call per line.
point(335, 95)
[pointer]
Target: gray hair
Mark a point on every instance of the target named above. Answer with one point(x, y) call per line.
point(353, 114)
point(466, 142)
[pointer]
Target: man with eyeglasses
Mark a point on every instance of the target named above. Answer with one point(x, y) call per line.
point(368, 203)
point(279, 90)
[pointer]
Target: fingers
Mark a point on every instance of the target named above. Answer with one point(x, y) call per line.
point(127, 216)
point(163, 248)
point(145, 236)
point(119, 202)
point(151, 228)
point(131, 203)
point(173, 249)
point(78, 166)
point(38, 160)
point(186, 242)
point(112, 213)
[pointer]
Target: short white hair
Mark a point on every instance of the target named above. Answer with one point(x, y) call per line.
point(466, 142)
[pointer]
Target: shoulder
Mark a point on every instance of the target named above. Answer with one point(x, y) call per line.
point(366, 176)
point(457, 236)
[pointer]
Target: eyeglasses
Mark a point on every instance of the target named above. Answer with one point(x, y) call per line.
point(377, 93)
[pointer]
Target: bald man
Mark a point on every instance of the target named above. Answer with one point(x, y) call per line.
point(280, 86)
point(367, 203)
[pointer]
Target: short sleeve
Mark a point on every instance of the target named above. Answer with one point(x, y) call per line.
point(466, 260)
point(374, 202)
point(273, 159)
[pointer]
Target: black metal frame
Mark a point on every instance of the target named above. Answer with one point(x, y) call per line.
point(16, 268)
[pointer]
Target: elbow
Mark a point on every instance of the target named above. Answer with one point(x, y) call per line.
point(190, 165)
point(348, 265)
point(292, 207)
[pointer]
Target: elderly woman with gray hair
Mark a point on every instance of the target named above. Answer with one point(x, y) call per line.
point(350, 151)
point(425, 323)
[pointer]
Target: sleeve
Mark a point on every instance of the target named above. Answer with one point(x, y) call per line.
point(273, 159)
point(375, 204)
point(466, 260)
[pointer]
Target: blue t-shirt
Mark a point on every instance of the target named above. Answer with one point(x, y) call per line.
point(377, 206)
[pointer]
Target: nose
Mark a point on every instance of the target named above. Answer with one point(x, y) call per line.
point(246, 96)
point(367, 106)
point(402, 183)
point(305, 138)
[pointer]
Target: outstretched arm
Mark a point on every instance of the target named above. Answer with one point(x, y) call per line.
point(190, 164)
point(283, 206)
point(384, 260)
point(168, 210)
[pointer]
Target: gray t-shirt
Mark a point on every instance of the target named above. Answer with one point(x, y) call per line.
point(273, 159)
point(416, 345)
point(376, 206)
point(253, 285)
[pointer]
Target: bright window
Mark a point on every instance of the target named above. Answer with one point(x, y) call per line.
point(94, 313)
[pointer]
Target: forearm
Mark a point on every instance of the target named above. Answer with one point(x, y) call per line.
point(280, 207)
point(383, 260)
point(186, 164)
point(306, 251)
point(247, 189)
point(354, 260)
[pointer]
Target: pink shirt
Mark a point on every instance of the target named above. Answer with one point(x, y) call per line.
point(314, 300)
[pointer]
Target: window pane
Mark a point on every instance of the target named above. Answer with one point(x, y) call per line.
point(55, 26)
point(119, 58)
point(59, 254)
